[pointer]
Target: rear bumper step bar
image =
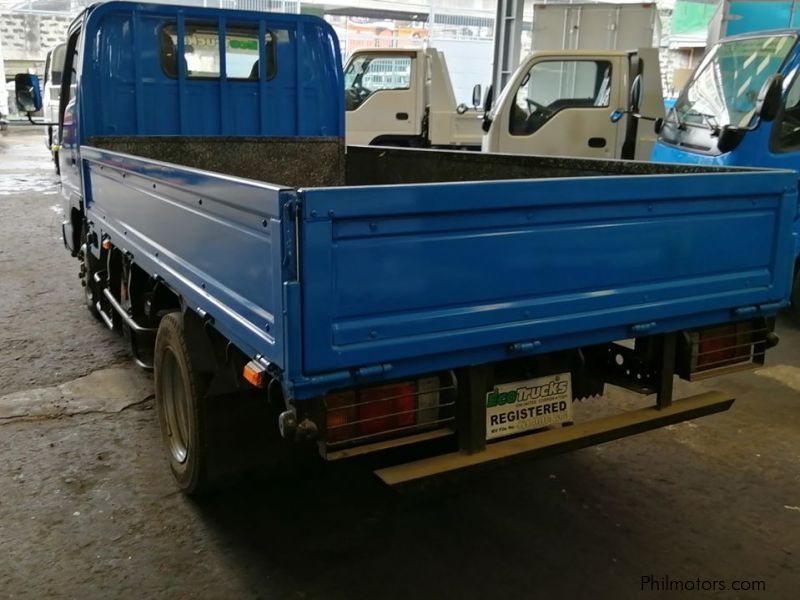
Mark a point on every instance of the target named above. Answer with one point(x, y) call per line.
point(555, 441)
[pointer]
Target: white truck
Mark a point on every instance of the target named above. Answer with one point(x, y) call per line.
point(560, 103)
point(404, 97)
point(51, 97)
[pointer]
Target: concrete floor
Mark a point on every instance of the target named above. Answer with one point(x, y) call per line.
point(88, 508)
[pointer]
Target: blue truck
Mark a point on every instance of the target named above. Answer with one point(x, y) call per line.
point(290, 292)
point(741, 107)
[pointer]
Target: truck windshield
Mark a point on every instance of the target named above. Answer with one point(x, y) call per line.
point(724, 89)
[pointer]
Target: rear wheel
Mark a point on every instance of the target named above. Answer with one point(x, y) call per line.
point(180, 400)
point(211, 439)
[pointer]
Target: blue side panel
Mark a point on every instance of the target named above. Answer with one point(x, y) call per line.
point(215, 240)
point(126, 90)
point(753, 151)
point(405, 272)
point(668, 153)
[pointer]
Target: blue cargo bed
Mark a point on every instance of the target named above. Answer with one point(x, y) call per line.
point(334, 284)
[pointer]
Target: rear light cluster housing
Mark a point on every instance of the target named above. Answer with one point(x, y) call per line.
point(724, 348)
point(367, 414)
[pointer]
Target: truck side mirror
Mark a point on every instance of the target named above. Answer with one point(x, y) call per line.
point(27, 93)
point(729, 138)
point(487, 99)
point(635, 97)
point(477, 95)
point(769, 98)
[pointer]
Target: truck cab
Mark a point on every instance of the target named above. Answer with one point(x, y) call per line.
point(404, 97)
point(558, 103)
point(741, 107)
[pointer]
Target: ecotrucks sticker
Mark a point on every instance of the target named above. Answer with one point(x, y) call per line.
point(532, 404)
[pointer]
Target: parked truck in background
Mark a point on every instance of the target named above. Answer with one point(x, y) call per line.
point(581, 68)
point(287, 289)
point(416, 105)
point(51, 95)
point(404, 97)
point(741, 107)
point(558, 103)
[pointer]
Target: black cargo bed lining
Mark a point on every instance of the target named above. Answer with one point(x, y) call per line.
point(288, 161)
point(375, 166)
point(323, 161)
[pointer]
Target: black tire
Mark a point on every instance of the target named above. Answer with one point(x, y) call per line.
point(794, 309)
point(211, 440)
point(214, 440)
point(181, 402)
point(89, 264)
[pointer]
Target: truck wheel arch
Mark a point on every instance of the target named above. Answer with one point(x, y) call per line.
point(213, 434)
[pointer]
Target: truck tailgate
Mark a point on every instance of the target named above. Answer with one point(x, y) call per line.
point(394, 274)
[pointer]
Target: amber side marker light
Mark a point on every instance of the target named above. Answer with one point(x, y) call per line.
point(255, 374)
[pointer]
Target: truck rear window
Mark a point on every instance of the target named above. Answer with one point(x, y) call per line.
point(202, 56)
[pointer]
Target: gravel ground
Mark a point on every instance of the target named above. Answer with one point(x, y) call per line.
point(88, 509)
point(45, 335)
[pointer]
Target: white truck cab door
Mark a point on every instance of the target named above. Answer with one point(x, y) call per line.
point(560, 107)
point(381, 90)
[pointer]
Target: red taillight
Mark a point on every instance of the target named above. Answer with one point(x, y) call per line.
point(371, 411)
point(341, 414)
point(406, 405)
point(374, 405)
point(720, 346)
point(719, 349)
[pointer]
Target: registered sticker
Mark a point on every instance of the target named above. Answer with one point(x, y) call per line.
point(523, 405)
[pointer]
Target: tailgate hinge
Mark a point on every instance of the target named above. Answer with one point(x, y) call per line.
point(373, 371)
point(642, 328)
point(745, 311)
point(291, 238)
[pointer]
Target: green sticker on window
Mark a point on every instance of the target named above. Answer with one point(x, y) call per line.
point(243, 44)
